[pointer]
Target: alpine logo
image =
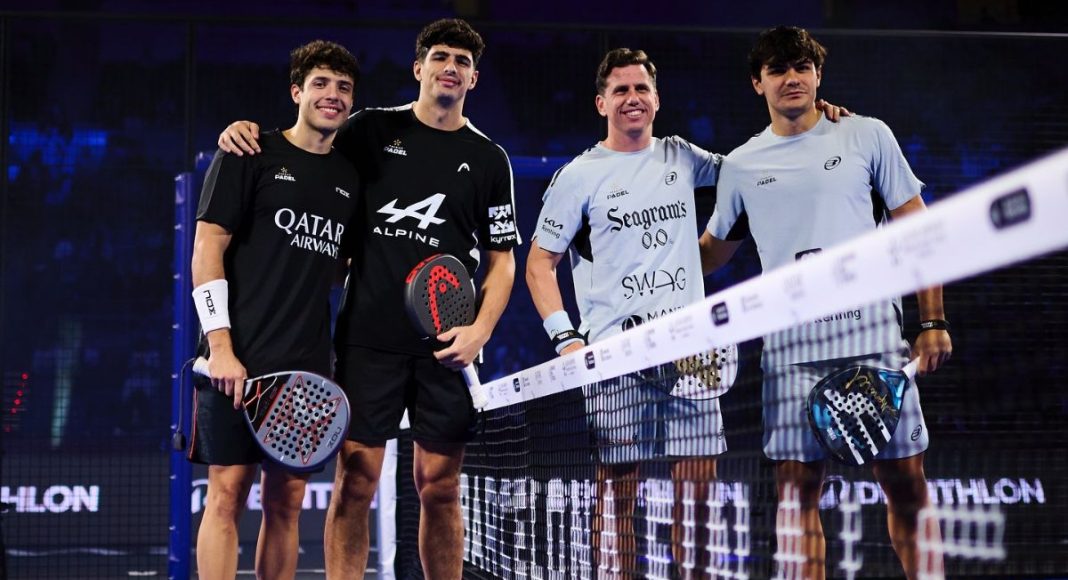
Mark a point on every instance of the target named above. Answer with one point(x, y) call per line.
point(431, 205)
point(832, 163)
point(344, 193)
point(284, 175)
point(395, 148)
point(463, 167)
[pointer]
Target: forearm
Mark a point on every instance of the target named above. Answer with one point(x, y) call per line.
point(930, 303)
point(496, 290)
point(542, 282)
point(209, 246)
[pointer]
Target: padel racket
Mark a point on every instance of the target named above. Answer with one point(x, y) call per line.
point(439, 295)
point(707, 374)
point(854, 411)
point(299, 419)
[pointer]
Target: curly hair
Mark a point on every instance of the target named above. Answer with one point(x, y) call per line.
point(452, 32)
point(322, 53)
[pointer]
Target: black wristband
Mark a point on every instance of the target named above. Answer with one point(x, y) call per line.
point(567, 336)
point(934, 324)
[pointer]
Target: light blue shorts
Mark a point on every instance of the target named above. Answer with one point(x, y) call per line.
point(635, 420)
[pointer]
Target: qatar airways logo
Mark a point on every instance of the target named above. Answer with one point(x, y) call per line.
point(310, 232)
point(645, 218)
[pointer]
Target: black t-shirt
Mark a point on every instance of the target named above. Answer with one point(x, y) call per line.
point(288, 211)
point(424, 192)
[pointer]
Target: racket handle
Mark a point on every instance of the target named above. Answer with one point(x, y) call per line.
point(911, 368)
point(200, 366)
point(478, 394)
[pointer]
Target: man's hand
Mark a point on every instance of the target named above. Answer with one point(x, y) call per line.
point(833, 112)
point(933, 348)
point(228, 375)
point(572, 348)
point(466, 342)
point(240, 137)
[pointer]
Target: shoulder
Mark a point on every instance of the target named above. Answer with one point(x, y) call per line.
point(859, 124)
point(576, 170)
point(480, 140)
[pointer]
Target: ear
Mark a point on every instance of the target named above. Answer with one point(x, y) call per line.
point(294, 92)
point(757, 86)
point(656, 100)
point(819, 76)
point(417, 70)
point(602, 105)
point(474, 80)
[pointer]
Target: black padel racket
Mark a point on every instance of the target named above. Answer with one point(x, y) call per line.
point(439, 295)
point(855, 411)
point(299, 419)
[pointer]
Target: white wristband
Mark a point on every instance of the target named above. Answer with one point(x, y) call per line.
point(213, 300)
point(557, 322)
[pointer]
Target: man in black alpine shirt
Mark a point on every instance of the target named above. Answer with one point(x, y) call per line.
point(267, 250)
point(432, 183)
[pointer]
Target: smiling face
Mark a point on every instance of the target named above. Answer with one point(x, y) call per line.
point(789, 88)
point(445, 74)
point(629, 102)
point(325, 99)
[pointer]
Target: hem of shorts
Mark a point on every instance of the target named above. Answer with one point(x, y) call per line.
point(429, 353)
point(200, 461)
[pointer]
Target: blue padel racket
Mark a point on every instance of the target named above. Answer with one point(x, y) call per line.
point(439, 295)
point(855, 411)
point(299, 419)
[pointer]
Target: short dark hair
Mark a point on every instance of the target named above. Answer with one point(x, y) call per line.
point(322, 53)
point(452, 32)
point(784, 45)
point(619, 58)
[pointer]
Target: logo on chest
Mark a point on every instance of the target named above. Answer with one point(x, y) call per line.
point(284, 175)
point(644, 218)
point(766, 180)
point(396, 148)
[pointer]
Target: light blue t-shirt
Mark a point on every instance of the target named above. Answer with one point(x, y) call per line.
point(808, 192)
point(629, 222)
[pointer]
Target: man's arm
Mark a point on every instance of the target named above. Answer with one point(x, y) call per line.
point(240, 137)
point(496, 289)
point(715, 253)
point(227, 373)
point(544, 288)
point(933, 347)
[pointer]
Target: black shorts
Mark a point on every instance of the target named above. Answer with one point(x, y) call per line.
point(382, 384)
point(220, 434)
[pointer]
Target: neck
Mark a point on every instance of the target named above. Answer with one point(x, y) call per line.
point(626, 142)
point(443, 116)
point(785, 125)
point(309, 139)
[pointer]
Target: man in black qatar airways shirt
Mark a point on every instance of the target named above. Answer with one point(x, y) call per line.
point(268, 247)
point(431, 183)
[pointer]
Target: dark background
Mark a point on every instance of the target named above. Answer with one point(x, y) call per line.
point(102, 104)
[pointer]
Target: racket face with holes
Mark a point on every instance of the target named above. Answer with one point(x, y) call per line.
point(707, 374)
point(439, 295)
point(855, 411)
point(299, 419)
